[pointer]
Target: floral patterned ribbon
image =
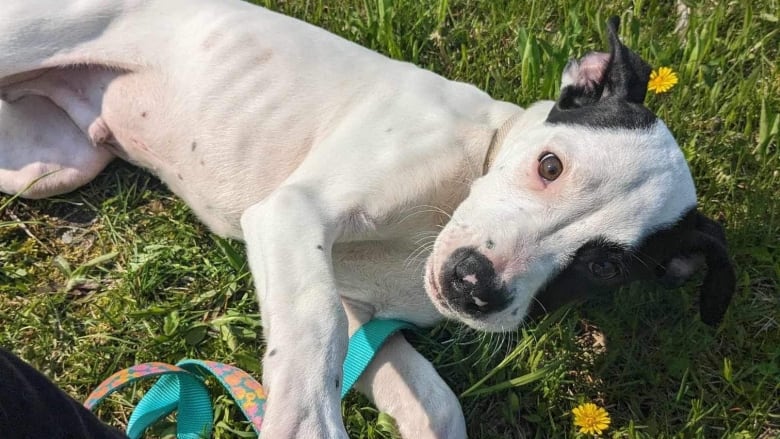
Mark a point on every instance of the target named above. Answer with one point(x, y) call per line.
point(182, 387)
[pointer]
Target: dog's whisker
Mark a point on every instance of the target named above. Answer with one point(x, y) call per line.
point(430, 237)
point(638, 252)
point(417, 253)
point(500, 343)
point(544, 309)
point(423, 209)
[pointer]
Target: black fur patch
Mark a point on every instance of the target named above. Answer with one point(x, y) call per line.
point(608, 113)
point(692, 234)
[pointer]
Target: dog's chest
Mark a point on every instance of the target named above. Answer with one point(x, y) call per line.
point(387, 276)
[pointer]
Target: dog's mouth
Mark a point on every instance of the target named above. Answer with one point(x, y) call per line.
point(431, 284)
point(434, 290)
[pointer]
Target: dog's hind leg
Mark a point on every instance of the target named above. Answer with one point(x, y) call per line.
point(42, 151)
point(51, 33)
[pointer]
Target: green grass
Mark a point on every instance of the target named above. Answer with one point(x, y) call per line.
point(120, 272)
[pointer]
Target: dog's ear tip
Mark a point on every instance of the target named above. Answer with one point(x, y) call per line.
point(613, 27)
point(718, 289)
point(712, 321)
point(714, 316)
point(613, 24)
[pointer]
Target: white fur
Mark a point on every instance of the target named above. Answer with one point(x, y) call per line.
point(336, 165)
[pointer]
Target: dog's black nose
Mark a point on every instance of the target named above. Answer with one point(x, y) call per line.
point(470, 285)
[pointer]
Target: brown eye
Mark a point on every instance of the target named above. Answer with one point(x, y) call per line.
point(603, 269)
point(550, 167)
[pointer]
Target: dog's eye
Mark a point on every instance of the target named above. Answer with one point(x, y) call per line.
point(604, 269)
point(550, 167)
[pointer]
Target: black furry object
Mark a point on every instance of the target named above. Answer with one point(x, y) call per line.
point(32, 407)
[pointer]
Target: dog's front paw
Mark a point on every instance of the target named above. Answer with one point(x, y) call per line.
point(301, 403)
point(294, 419)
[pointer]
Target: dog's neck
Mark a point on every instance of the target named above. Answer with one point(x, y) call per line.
point(498, 140)
point(486, 138)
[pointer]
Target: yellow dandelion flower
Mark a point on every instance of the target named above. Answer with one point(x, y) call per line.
point(591, 418)
point(662, 80)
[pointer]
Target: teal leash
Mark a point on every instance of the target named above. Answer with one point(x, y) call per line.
point(363, 346)
point(182, 388)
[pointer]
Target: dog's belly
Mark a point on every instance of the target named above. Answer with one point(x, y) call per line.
point(215, 155)
point(239, 105)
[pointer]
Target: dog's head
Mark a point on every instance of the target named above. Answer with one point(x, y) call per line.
point(588, 192)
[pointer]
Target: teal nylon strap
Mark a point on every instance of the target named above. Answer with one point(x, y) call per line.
point(184, 393)
point(182, 387)
point(363, 346)
point(177, 389)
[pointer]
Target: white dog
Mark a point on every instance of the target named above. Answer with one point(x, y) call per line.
point(331, 162)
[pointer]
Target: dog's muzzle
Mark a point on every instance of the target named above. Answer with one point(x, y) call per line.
point(470, 285)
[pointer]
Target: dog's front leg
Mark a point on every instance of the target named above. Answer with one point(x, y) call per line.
point(289, 238)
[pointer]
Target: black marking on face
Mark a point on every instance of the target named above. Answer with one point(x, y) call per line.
point(272, 353)
point(319, 247)
point(194, 146)
point(613, 97)
point(338, 383)
point(692, 238)
point(179, 175)
point(143, 114)
point(490, 244)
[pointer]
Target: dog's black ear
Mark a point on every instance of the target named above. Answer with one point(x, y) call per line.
point(605, 85)
point(704, 245)
point(628, 74)
point(621, 73)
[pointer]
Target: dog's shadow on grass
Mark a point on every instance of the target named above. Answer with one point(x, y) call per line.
point(76, 228)
point(117, 190)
